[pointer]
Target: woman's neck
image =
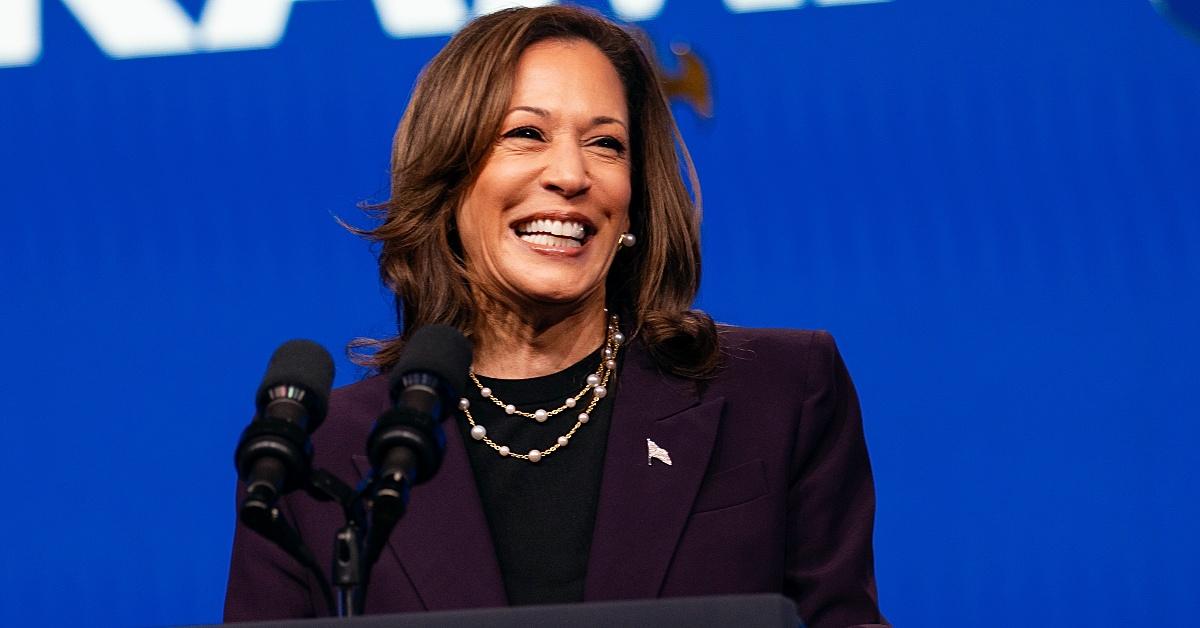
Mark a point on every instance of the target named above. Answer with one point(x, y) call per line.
point(520, 343)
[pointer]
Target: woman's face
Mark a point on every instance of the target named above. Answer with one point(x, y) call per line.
point(542, 221)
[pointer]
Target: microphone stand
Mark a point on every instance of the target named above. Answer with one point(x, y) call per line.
point(360, 538)
point(266, 520)
point(260, 514)
point(348, 574)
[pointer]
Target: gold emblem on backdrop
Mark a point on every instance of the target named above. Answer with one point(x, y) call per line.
point(690, 84)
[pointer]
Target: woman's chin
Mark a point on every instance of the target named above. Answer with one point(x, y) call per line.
point(555, 298)
point(552, 291)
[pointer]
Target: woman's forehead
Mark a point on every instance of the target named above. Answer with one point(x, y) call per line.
point(568, 77)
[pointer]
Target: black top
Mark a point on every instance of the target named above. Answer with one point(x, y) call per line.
point(541, 514)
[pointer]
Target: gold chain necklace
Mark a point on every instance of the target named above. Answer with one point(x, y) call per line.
point(597, 383)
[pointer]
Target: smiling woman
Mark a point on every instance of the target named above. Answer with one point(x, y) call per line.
point(615, 444)
point(547, 114)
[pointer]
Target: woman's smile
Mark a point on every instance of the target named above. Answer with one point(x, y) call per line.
point(555, 234)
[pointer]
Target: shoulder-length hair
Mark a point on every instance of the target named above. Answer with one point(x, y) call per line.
point(447, 133)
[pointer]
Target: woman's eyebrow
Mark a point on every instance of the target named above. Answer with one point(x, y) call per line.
point(596, 121)
point(534, 110)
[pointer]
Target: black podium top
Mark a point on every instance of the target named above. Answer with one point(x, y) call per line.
point(761, 610)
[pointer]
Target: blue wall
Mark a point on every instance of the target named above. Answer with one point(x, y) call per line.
point(992, 205)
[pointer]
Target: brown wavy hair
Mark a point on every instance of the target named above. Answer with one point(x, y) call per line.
point(447, 133)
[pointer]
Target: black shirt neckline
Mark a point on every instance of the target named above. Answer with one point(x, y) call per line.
point(544, 389)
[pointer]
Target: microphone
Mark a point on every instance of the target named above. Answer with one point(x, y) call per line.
point(274, 453)
point(407, 443)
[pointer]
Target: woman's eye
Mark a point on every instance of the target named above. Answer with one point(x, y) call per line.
point(611, 143)
point(525, 132)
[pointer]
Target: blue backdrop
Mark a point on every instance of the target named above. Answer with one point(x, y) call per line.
point(992, 205)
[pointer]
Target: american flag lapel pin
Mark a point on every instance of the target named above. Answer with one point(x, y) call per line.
point(653, 452)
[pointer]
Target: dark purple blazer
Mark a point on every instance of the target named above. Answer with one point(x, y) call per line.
point(770, 490)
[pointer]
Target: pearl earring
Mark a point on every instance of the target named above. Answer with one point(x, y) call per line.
point(627, 240)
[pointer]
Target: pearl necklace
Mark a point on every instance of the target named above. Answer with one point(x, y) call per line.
point(597, 383)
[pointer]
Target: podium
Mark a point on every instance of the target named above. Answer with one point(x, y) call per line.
point(768, 610)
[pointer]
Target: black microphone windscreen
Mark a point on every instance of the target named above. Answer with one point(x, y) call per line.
point(303, 364)
point(439, 350)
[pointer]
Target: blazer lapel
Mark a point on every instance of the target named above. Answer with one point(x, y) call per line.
point(444, 545)
point(643, 507)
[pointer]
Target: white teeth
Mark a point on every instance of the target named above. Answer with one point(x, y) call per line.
point(545, 239)
point(564, 228)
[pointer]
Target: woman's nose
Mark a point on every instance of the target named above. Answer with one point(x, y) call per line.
point(566, 169)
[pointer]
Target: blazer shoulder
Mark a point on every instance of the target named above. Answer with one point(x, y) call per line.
point(786, 346)
point(367, 393)
point(353, 408)
point(369, 390)
point(799, 360)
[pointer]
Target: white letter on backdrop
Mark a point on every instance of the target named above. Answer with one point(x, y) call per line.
point(750, 6)
point(243, 24)
point(20, 32)
point(135, 28)
point(418, 18)
point(635, 10)
point(834, 3)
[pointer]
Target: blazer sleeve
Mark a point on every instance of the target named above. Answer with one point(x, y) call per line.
point(831, 501)
point(264, 581)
